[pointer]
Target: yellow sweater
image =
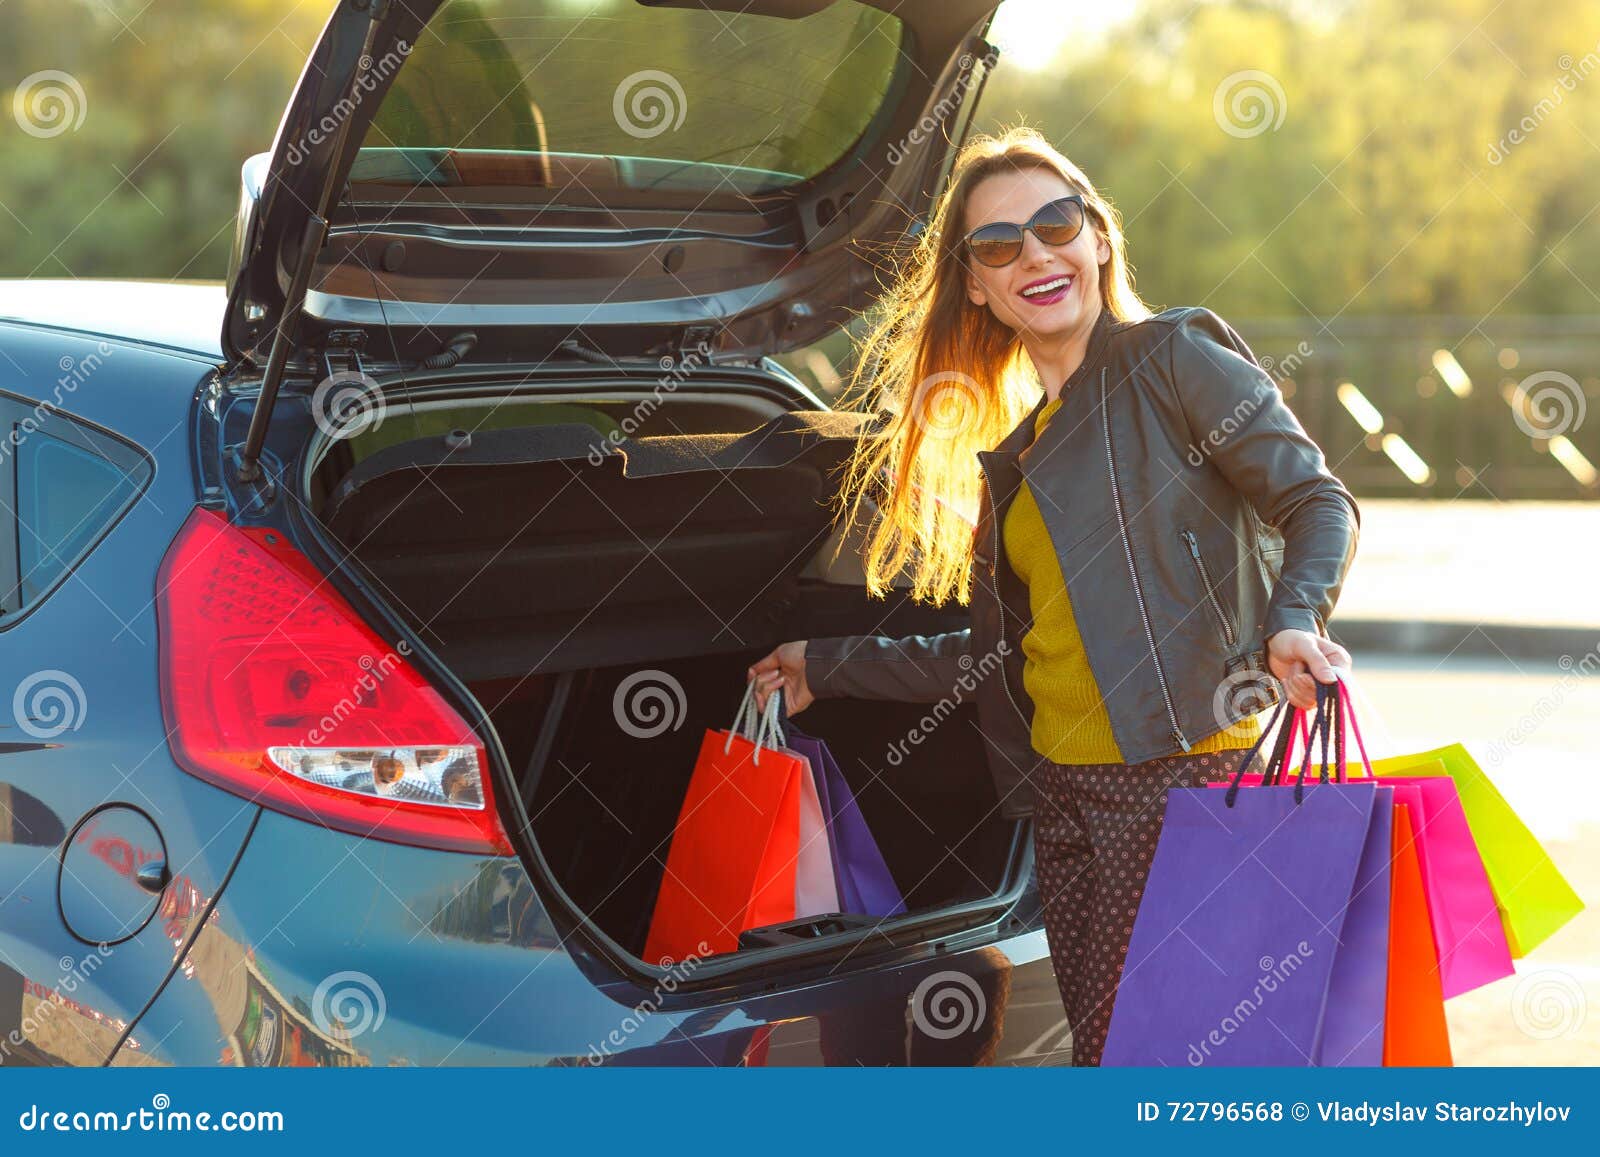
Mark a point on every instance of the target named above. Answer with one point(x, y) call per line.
point(1070, 724)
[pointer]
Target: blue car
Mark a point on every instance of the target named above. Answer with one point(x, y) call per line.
point(361, 619)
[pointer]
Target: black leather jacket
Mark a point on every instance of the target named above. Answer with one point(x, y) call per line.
point(1193, 518)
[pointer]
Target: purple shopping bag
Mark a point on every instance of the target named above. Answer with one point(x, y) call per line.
point(1262, 936)
point(865, 885)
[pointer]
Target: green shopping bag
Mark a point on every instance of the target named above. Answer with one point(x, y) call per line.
point(1533, 897)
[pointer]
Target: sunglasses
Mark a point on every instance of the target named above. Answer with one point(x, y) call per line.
point(1000, 242)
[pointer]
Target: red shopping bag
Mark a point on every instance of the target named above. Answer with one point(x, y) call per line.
point(736, 846)
point(1414, 1027)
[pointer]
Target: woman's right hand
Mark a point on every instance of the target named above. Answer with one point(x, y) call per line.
point(785, 667)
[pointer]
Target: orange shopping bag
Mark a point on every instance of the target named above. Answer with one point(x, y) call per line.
point(1414, 1028)
point(736, 847)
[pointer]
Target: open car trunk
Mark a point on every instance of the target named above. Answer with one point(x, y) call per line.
point(602, 595)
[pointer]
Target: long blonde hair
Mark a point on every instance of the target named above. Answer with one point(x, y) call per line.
point(955, 378)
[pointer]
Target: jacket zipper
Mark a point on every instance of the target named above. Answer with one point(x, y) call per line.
point(1205, 581)
point(1000, 603)
point(1127, 548)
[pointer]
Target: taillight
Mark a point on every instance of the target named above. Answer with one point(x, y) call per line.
point(274, 689)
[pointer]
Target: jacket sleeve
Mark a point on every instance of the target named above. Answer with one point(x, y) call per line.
point(912, 669)
point(1239, 421)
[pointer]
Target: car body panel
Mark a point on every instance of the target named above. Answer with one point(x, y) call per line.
point(91, 643)
point(437, 958)
point(178, 316)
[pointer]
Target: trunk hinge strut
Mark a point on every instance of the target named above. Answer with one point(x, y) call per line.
point(247, 458)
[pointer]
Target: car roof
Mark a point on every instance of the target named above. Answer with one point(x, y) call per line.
point(183, 315)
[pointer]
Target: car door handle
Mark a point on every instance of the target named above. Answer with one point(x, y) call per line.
point(152, 876)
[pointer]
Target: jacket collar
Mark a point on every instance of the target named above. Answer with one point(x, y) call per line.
point(1022, 435)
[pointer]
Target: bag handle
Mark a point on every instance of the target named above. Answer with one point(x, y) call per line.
point(1321, 728)
point(1347, 710)
point(1279, 749)
point(756, 726)
point(1278, 763)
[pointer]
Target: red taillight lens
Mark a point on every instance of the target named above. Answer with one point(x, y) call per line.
point(274, 689)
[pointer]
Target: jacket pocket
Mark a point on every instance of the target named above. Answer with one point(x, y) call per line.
point(1191, 543)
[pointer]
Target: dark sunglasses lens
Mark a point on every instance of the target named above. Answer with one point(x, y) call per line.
point(1058, 222)
point(996, 244)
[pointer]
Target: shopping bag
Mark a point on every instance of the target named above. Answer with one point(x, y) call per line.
point(1242, 927)
point(733, 861)
point(1531, 895)
point(864, 881)
point(1414, 1029)
point(816, 890)
point(1467, 928)
point(1357, 997)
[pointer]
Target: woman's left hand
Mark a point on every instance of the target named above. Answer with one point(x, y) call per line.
point(1296, 657)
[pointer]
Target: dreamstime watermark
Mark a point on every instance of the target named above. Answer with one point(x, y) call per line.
point(368, 79)
point(1274, 974)
point(947, 404)
point(49, 703)
point(947, 1004)
point(1548, 404)
point(361, 692)
point(678, 971)
point(1245, 409)
point(1242, 695)
point(1249, 103)
point(966, 683)
point(49, 103)
point(74, 373)
point(1546, 705)
point(1573, 73)
point(648, 103)
point(50, 1000)
point(347, 404)
point(648, 703)
point(1548, 1004)
point(675, 371)
point(348, 1004)
point(945, 107)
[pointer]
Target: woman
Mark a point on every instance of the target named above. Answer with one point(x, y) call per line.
point(1154, 535)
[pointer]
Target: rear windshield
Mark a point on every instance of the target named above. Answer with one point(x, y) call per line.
point(702, 99)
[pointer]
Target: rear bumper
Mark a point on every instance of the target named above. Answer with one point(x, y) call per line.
point(328, 949)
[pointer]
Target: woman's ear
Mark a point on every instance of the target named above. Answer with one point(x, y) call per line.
point(975, 291)
point(1102, 248)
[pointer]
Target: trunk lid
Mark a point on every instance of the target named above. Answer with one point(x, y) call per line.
point(639, 176)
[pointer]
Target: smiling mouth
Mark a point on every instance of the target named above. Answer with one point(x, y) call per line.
point(1048, 291)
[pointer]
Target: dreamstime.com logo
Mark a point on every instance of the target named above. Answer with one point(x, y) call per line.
point(1274, 974)
point(48, 704)
point(372, 75)
point(49, 103)
point(649, 703)
point(947, 404)
point(648, 103)
point(1249, 103)
point(159, 1117)
point(947, 1004)
point(1549, 404)
point(1549, 1004)
point(347, 404)
point(348, 1004)
point(1243, 695)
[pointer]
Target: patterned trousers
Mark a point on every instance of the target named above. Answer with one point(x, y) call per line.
point(1095, 831)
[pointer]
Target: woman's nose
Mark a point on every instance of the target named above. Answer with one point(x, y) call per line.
point(1034, 251)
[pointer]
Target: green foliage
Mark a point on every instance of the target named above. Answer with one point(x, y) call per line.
point(1390, 187)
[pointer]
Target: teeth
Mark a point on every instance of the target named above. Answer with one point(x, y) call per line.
point(1047, 287)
